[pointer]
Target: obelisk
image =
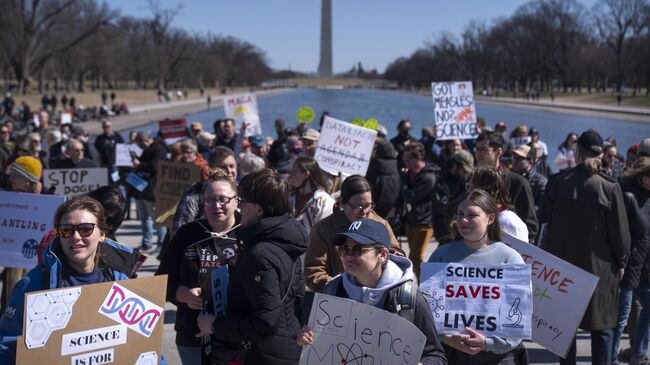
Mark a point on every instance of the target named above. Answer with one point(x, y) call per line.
point(325, 66)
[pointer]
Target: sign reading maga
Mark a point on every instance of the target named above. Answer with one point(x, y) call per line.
point(454, 109)
point(173, 180)
point(349, 332)
point(561, 294)
point(344, 148)
point(94, 324)
point(24, 220)
point(242, 108)
point(73, 182)
point(492, 299)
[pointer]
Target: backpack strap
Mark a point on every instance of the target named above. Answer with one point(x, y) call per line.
point(332, 286)
point(406, 295)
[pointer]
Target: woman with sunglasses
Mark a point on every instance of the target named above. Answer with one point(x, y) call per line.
point(198, 248)
point(309, 200)
point(322, 261)
point(267, 284)
point(78, 256)
point(477, 221)
point(373, 276)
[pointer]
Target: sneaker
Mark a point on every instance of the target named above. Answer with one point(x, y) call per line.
point(145, 249)
point(639, 360)
point(625, 355)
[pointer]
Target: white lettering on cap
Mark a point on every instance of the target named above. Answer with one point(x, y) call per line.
point(355, 226)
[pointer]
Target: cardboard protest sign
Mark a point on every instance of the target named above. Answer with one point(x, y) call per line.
point(173, 130)
point(495, 300)
point(349, 332)
point(243, 109)
point(454, 110)
point(24, 219)
point(173, 180)
point(73, 182)
point(114, 322)
point(344, 148)
point(123, 153)
point(561, 294)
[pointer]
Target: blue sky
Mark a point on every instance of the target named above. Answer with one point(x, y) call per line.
point(373, 32)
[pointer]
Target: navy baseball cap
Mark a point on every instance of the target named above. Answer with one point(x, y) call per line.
point(364, 232)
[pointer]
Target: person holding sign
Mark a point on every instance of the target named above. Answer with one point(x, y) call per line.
point(477, 222)
point(80, 255)
point(377, 278)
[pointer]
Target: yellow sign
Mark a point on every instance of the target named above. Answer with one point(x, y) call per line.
point(305, 114)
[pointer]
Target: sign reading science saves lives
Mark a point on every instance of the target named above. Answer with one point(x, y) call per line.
point(344, 148)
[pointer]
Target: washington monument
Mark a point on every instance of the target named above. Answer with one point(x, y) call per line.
point(325, 66)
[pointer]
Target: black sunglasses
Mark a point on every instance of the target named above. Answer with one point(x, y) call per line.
point(356, 250)
point(84, 229)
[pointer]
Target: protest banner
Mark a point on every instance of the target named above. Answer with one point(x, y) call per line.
point(24, 219)
point(123, 153)
point(495, 300)
point(344, 148)
point(454, 110)
point(173, 180)
point(242, 108)
point(561, 294)
point(173, 130)
point(73, 182)
point(66, 118)
point(349, 332)
point(113, 322)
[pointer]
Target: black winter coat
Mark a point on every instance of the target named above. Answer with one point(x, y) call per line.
point(383, 176)
point(265, 292)
point(147, 169)
point(523, 201)
point(418, 196)
point(637, 206)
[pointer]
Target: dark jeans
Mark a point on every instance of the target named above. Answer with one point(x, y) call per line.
point(601, 349)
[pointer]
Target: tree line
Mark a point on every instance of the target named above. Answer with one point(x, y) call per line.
point(544, 46)
point(76, 44)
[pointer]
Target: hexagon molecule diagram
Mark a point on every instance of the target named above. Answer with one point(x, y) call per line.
point(147, 358)
point(48, 312)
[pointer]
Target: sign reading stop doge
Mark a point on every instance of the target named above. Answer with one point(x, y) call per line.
point(108, 323)
point(344, 148)
point(173, 180)
point(24, 219)
point(73, 182)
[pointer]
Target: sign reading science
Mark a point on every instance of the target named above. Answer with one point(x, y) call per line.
point(243, 109)
point(492, 299)
point(117, 323)
point(344, 148)
point(454, 109)
point(24, 219)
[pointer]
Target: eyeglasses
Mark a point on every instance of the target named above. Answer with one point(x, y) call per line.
point(482, 149)
point(222, 200)
point(359, 208)
point(355, 251)
point(84, 229)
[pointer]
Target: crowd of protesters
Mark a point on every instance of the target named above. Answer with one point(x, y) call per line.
point(264, 211)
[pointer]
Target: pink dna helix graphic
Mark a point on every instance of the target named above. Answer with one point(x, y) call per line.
point(131, 310)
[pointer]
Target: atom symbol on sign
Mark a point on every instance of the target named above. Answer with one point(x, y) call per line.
point(434, 303)
point(353, 354)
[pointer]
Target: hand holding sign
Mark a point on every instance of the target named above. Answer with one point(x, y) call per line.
point(204, 321)
point(305, 337)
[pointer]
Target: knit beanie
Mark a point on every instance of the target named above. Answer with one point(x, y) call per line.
point(28, 167)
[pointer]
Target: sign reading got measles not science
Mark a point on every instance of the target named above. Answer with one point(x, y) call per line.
point(24, 219)
point(344, 148)
point(454, 110)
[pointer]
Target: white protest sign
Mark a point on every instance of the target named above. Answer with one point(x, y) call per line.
point(495, 300)
point(454, 109)
point(349, 332)
point(344, 147)
point(123, 153)
point(141, 318)
point(66, 118)
point(243, 108)
point(73, 182)
point(24, 219)
point(561, 294)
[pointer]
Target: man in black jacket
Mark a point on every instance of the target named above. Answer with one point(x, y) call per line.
point(152, 152)
point(403, 139)
point(105, 145)
point(417, 202)
point(489, 150)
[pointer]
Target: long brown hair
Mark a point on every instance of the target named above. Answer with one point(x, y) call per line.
point(307, 164)
point(488, 204)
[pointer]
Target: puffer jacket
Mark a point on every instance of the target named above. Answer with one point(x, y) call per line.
point(265, 292)
point(418, 196)
point(118, 262)
point(637, 206)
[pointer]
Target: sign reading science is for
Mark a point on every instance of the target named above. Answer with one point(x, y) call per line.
point(344, 148)
point(495, 300)
point(116, 323)
point(454, 110)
